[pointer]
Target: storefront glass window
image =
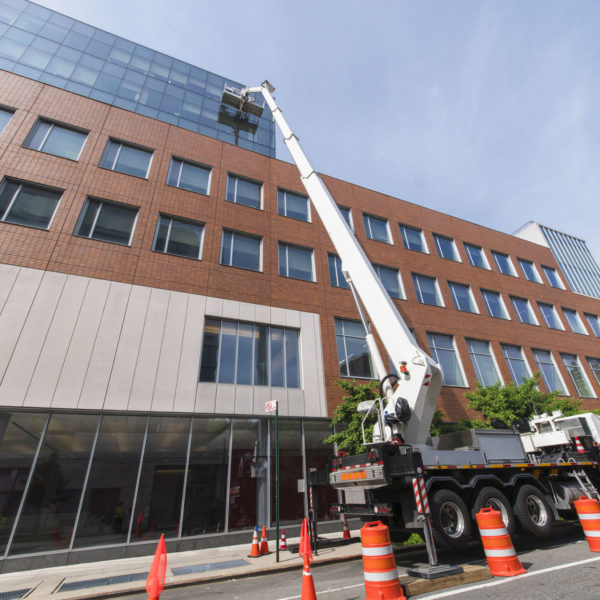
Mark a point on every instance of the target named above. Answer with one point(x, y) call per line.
point(317, 456)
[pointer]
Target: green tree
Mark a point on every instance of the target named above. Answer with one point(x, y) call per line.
point(349, 438)
point(510, 402)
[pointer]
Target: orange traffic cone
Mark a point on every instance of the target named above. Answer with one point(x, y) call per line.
point(346, 535)
point(588, 511)
point(497, 545)
point(255, 550)
point(155, 583)
point(264, 544)
point(283, 544)
point(579, 446)
point(305, 548)
point(308, 585)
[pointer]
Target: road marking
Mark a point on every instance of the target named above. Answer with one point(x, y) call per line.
point(348, 587)
point(508, 579)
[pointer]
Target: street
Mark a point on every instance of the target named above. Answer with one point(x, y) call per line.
point(561, 567)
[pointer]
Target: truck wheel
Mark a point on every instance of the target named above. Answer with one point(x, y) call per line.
point(533, 511)
point(490, 497)
point(452, 526)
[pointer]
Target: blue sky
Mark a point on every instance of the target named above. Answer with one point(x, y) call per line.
point(487, 110)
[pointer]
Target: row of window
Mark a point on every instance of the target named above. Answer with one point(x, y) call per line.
point(354, 361)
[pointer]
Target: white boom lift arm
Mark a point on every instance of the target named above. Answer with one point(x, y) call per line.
point(408, 410)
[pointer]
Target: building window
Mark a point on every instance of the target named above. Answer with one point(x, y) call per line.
point(336, 277)
point(462, 297)
point(519, 370)
point(476, 256)
point(550, 375)
point(553, 278)
point(296, 262)
point(353, 353)
point(413, 238)
point(27, 204)
point(427, 290)
point(594, 364)
point(390, 278)
point(523, 310)
point(594, 323)
point(550, 316)
point(244, 191)
point(503, 263)
point(347, 214)
point(578, 377)
point(241, 250)
point(494, 304)
point(377, 228)
point(293, 205)
point(5, 116)
point(574, 321)
point(180, 237)
point(125, 158)
point(529, 270)
point(189, 176)
point(445, 247)
point(443, 352)
point(57, 139)
point(250, 354)
point(483, 362)
point(107, 221)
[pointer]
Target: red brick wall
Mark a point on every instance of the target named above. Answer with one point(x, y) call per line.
point(59, 250)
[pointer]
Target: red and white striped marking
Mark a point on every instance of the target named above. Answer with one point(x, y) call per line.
point(426, 379)
point(420, 495)
point(579, 446)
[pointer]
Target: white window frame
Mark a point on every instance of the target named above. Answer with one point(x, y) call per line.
point(437, 288)
point(181, 220)
point(248, 180)
point(492, 356)
point(531, 312)
point(589, 317)
point(342, 208)
point(511, 266)
point(471, 295)
point(287, 245)
point(344, 336)
point(456, 257)
point(583, 374)
point(243, 234)
point(121, 143)
point(564, 391)
point(340, 277)
point(506, 316)
point(7, 109)
point(561, 284)
point(54, 124)
point(523, 357)
point(595, 372)
point(536, 273)
point(556, 316)
point(193, 164)
point(102, 203)
point(566, 311)
point(404, 226)
point(486, 262)
point(368, 232)
point(402, 296)
point(298, 195)
point(456, 355)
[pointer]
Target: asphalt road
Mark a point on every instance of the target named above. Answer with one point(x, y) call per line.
point(561, 568)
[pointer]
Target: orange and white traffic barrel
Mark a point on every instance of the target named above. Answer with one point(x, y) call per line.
point(579, 446)
point(379, 564)
point(588, 511)
point(497, 545)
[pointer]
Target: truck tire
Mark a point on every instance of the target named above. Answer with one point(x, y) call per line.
point(491, 497)
point(452, 527)
point(533, 512)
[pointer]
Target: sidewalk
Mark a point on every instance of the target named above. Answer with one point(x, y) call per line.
point(109, 578)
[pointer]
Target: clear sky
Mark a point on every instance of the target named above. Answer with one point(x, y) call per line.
point(487, 110)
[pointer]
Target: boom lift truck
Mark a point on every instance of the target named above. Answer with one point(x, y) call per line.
point(531, 471)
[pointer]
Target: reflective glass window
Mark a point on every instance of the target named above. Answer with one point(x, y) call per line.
point(390, 278)
point(26, 204)
point(550, 375)
point(503, 263)
point(19, 438)
point(529, 270)
point(413, 238)
point(574, 321)
point(293, 205)
point(426, 289)
point(131, 160)
point(108, 501)
point(443, 352)
point(336, 277)
point(483, 362)
point(241, 250)
point(180, 237)
point(462, 297)
point(594, 364)
point(160, 491)
point(296, 262)
point(244, 191)
point(206, 488)
point(577, 375)
point(354, 359)
point(189, 176)
point(494, 304)
point(5, 116)
point(550, 316)
point(594, 323)
point(445, 247)
point(516, 363)
point(50, 508)
point(523, 310)
point(552, 277)
point(56, 139)
point(107, 221)
point(476, 256)
point(377, 228)
point(347, 214)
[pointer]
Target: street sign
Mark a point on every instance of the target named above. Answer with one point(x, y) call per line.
point(271, 405)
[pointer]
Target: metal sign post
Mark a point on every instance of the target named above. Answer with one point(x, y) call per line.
point(269, 407)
